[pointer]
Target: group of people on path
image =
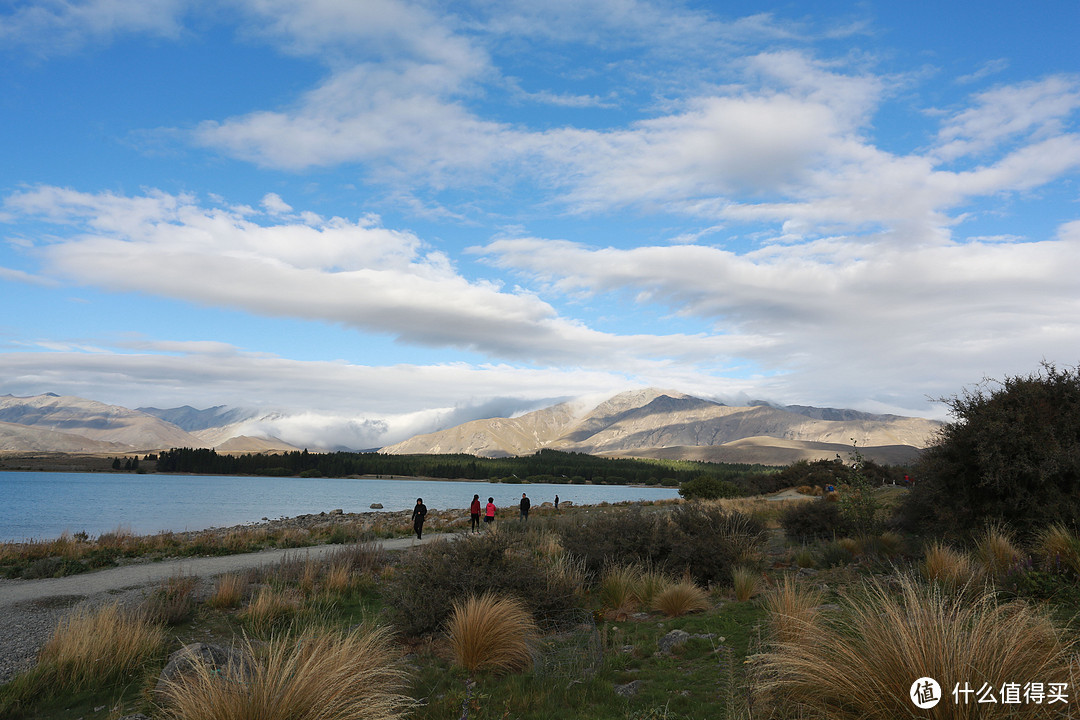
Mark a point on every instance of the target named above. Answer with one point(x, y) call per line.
point(419, 513)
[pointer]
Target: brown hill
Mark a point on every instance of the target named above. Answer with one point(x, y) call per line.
point(655, 423)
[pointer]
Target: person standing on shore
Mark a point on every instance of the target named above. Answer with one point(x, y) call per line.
point(474, 514)
point(419, 512)
point(524, 506)
point(556, 503)
point(489, 511)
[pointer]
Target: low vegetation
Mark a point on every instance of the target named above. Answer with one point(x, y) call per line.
point(736, 608)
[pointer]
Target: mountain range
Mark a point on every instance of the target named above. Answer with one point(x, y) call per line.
point(652, 423)
point(647, 423)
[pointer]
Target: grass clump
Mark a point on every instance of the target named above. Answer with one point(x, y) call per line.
point(681, 598)
point(173, 601)
point(94, 647)
point(793, 609)
point(951, 568)
point(996, 551)
point(862, 663)
point(492, 632)
point(619, 589)
point(745, 581)
point(271, 609)
point(325, 675)
point(228, 591)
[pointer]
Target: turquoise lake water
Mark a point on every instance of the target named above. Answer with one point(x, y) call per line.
point(42, 505)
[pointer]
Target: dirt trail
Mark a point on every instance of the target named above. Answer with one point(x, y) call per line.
point(144, 573)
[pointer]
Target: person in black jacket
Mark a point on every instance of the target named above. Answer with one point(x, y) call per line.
point(418, 514)
point(525, 505)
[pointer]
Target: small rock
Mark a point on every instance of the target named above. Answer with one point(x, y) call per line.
point(671, 640)
point(186, 659)
point(807, 571)
point(337, 511)
point(628, 690)
point(375, 506)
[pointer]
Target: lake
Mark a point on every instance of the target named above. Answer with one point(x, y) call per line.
point(42, 505)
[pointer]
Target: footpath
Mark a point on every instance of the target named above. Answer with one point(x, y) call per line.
point(116, 579)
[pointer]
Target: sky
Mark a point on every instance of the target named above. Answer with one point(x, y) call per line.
point(378, 218)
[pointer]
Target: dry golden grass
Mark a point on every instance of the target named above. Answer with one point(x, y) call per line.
point(89, 648)
point(271, 608)
point(862, 664)
point(492, 632)
point(793, 609)
point(228, 591)
point(681, 598)
point(339, 579)
point(618, 587)
point(650, 582)
point(952, 568)
point(173, 601)
point(326, 675)
point(746, 581)
point(995, 550)
point(1057, 544)
point(850, 544)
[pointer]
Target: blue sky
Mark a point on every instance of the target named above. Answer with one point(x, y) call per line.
point(382, 217)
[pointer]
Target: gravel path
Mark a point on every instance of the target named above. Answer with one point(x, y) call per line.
point(30, 609)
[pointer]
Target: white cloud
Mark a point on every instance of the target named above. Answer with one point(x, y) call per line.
point(46, 27)
point(357, 273)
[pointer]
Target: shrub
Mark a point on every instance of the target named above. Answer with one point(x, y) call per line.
point(628, 536)
point(813, 519)
point(326, 675)
point(707, 541)
point(1011, 455)
point(421, 592)
point(492, 632)
point(90, 648)
point(1057, 545)
point(705, 487)
point(681, 598)
point(891, 632)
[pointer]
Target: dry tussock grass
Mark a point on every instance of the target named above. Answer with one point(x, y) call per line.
point(618, 588)
point(995, 550)
point(322, 676)
point(746, 581)
point(862, 664)
point(492, 632)
point(793, 609)
point(90, 648)
point(1057, 544)
point(271, 608)
point(228, 591)
point(680, 598)
point(951, 568)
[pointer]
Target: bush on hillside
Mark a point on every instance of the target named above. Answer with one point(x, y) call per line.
point(631, 536)
point(421, 593)
point(704, 487)
point(700, 538)
point(1012, 455)
point(814, 519)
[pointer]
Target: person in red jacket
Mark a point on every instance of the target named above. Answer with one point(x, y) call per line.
point(474, 514)
point(489, 511)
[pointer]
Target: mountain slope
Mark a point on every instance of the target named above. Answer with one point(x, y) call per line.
point(654, 423)
point(94, 421)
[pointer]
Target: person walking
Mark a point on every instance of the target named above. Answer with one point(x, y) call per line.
point(556, 503)
point(524, 506)
point(489, 511)
point(474, 514)
point(419, 512)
